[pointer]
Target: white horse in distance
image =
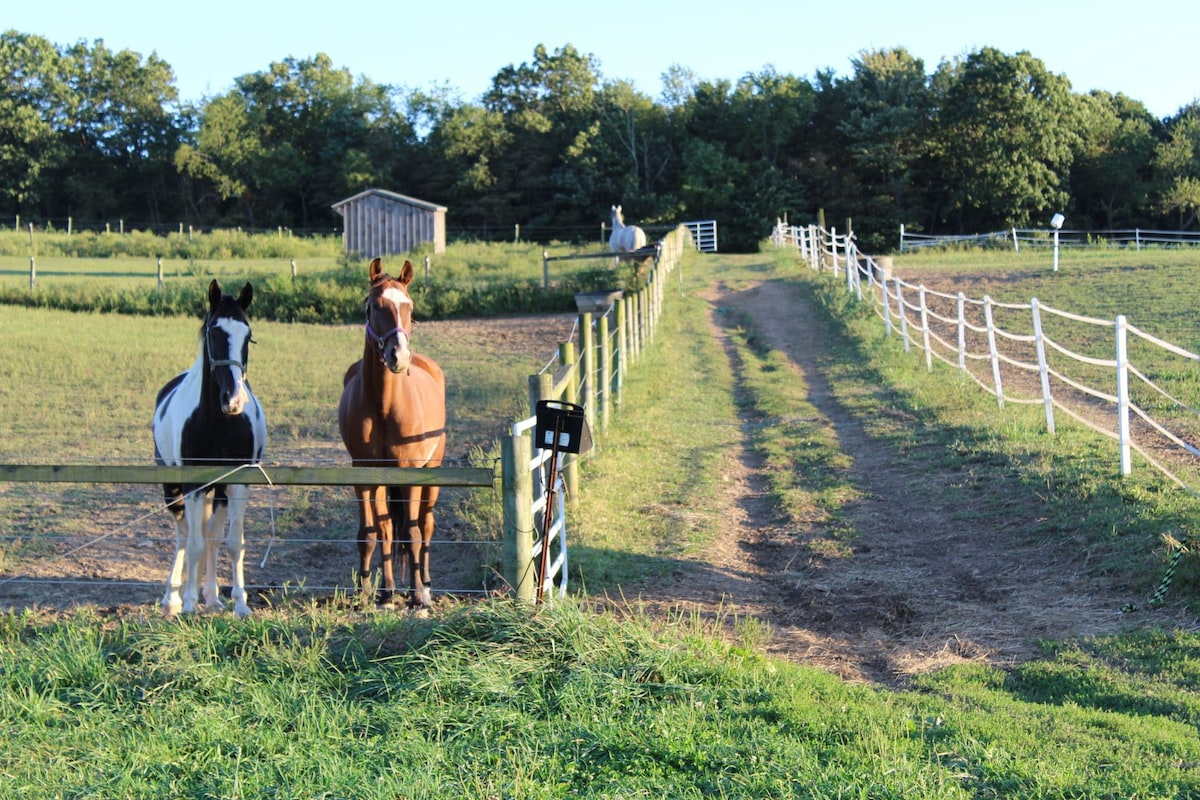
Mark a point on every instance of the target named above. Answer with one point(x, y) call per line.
point(625, 239)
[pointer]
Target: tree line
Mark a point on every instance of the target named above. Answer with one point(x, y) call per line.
point(984, 141)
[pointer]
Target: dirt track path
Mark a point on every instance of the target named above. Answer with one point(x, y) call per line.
point(920, 590)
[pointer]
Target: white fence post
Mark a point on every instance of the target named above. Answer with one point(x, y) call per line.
point(1123, 394)
point(903, 316)
point(852, 267)
point(833, 249)
point(993, 351)
point(1043, 367)
point(925, 330)
point(962, 331)
point(887, 305)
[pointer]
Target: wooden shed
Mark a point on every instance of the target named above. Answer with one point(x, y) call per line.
point(382, 223)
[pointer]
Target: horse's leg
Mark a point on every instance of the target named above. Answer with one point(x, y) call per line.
point(424, 529)
point(214, 529)
point(236, 542)
point(198, 507)
point(172, 603)
point(375, 528)
point(386, 522)
point(417, 532)
point(401, 501)
point(367, 534)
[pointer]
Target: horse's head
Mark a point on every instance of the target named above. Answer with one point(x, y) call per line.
point(226, 335)
point(389, 316)
point(618, 219)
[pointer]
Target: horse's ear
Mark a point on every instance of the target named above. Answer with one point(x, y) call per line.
point(375, 270)
point(406, 274)
point(214, 294)
point(246, 296)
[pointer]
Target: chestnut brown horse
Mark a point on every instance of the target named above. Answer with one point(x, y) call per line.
point(393, 414)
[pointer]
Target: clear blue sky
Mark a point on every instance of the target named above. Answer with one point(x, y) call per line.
point(1147, 51)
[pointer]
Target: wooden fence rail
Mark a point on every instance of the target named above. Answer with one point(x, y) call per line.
point(250, 474)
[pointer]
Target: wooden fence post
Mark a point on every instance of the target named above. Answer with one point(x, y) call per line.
point(622, 355)
point(516, 453)
point(605, 383)
point(630, 315)
point(587, 357)
point(571, 394)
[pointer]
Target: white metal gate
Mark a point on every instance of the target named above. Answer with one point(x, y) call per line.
point(704, 234)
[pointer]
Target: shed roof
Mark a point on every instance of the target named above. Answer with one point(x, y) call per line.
point(393, 196)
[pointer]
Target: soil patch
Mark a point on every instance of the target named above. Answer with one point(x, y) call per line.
point(918, 592)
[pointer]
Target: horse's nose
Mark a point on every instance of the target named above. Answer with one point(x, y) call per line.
point(398, 359)
point(233, 401)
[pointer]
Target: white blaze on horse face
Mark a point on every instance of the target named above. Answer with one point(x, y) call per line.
point(239, 334)
point(397, 356)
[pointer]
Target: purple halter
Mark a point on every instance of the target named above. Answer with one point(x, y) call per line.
point(381, 340)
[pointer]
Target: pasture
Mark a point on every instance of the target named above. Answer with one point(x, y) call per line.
point(487, 700)
point(298, 281)
point(94, 407)
point(1151, 286)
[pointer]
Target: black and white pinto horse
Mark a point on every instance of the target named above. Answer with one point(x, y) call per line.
point(209, 416)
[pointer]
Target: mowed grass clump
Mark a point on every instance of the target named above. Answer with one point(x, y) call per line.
point(505, 700)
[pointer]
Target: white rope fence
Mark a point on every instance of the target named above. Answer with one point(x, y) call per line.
point(1105, 374)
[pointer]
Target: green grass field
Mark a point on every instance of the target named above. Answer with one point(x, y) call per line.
point(498, 700)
